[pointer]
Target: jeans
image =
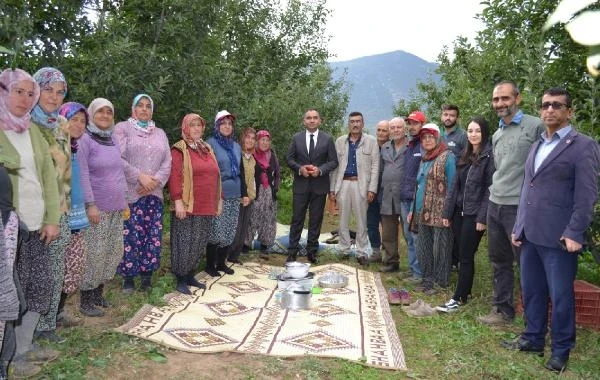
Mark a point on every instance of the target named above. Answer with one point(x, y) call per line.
point(410, 239)
point(373, 219)
point(502, 254)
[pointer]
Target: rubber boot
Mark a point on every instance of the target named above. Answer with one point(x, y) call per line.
point(211, 260)
point(221, 257)
point(191, 281)
point(86, 305)
point(146, 281)
point(128, 285)
point(182, 285)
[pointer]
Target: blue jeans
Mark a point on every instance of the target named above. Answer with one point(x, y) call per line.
point(410, 238)
point(373, 219)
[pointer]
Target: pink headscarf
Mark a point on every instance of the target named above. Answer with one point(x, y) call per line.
point(185, 132)
point(8, 80)
point(263, 157)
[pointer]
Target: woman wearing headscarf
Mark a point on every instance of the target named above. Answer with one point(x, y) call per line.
point(434, 180)
point(195, 189)
point(104, 187)
point(241, 241)
point(228, 154)
point(268, 178)
point(77, 119)
point(36, 200)
point(466, 206)
point(147, 163)
point(53, 89)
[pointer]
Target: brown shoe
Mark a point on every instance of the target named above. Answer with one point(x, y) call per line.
point(363, 260)
point(495, 318)
point(389, 268)
point(22, 369)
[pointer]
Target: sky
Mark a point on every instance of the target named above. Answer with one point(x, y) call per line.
point(361, 28)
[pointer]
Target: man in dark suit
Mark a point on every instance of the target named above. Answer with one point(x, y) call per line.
point(311, 157)
point(555, 209)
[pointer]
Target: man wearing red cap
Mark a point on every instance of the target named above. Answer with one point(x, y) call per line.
point(412, 159)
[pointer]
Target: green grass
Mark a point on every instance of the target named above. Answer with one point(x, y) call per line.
point(450, 346)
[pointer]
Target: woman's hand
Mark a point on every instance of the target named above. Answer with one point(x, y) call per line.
point(445, 222)
point(245, 201)
point(409, 217)
point(180, 212)
point(480, 227)
point(49, 232)
point(220, 207)
point(147, 182)
point(93, 214)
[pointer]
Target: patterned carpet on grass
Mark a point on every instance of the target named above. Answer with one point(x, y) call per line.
point(242, 313)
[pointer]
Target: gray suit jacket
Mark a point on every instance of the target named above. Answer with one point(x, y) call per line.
point(391, 179)
point(367, 163)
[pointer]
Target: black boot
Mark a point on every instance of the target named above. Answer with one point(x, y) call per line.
point(182, 286)
point(191, 281)
point(128, 285)
point(221, 257)
point(211, 260)
point(86, 304)
point(291, 256)
point(98, 297)
point(146, 281)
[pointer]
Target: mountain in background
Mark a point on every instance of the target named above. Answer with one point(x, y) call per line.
point(377, 82)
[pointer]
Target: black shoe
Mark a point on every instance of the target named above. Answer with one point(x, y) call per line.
point(245, 249)
point(225, 268)
point(182, 285)
point(312, 257)
point(49, 335)
point(264, 248)
point(128, 285)
point(99, 299)
point(191, 281)
point(363, 260)
point(146, 283)
point(557, 364)
point(290, 258)
point(212, 272)
point(389, 268)
point(522, 345)
point(235, 261)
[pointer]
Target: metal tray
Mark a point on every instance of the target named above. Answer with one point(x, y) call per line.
point(333, 280)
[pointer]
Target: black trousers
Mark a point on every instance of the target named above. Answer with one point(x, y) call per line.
point(241, 231)
point(468, 242)
point(315, 204)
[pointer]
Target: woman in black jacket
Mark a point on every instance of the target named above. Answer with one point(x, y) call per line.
point(466, 205)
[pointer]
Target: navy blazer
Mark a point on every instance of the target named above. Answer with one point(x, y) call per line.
point(558, 200)
point(324, 157)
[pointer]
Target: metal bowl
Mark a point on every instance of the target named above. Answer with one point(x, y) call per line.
point(333, 280)
point(296, 270)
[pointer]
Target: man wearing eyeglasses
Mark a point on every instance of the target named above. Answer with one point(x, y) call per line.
point(555, 209)
point(511, 143)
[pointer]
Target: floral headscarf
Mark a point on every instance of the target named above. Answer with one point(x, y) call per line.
point(70, 109)
point(185, 132)
point(45, 77)
point(263, 157)
point(146, 126)
point(8, 80)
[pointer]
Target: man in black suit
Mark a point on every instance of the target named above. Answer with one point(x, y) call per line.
point(311, 157)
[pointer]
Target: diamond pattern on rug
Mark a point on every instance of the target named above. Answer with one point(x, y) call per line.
point(327, 310)
point(243, 287)
point(257, 269)
point(321, 323)
point(215, 321)
point(228, 308)
point(251, 277)
point(318, 341)
point(336, 268)
point(329, 291)
point(198, 338)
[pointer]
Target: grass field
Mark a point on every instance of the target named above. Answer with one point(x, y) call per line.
point(451, 346)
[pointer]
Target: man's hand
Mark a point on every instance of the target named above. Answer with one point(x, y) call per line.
point(49, 232)
point(480, 227)
point(370, 196)
point(515, 242)
point(304, 172)
point(571, 245)
point(315, 172)
point(445, 222)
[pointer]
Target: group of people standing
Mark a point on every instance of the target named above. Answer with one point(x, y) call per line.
point(82, 200)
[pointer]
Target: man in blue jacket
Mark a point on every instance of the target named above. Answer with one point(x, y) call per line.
point(556, 207)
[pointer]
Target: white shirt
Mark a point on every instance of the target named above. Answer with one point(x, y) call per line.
point(315, 136)
point(31, 202)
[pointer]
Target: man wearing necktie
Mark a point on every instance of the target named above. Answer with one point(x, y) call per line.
point(311, 157)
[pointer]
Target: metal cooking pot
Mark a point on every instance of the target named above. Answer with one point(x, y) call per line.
point(296, 298)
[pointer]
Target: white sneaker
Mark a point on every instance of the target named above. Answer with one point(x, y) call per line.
point(448, 307)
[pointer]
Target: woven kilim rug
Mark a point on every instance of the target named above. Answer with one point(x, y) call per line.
point(242, 313)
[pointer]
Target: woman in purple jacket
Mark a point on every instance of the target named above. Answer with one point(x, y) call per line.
point(104, 186)
point(147, 163)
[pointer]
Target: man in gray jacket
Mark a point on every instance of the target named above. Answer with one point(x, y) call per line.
point(511, 143)
point(392, 158)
